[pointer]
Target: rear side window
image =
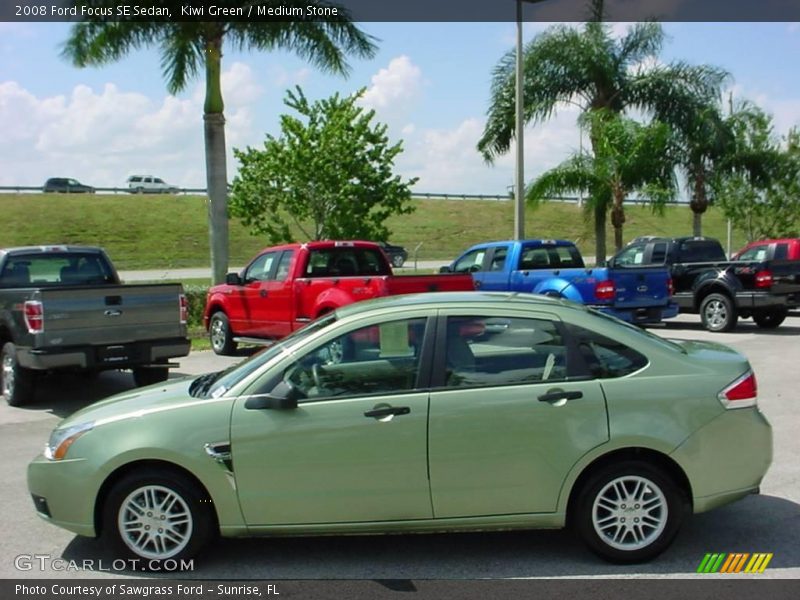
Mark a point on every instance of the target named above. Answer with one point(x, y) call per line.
point(604, 357)
point(781, 251)
point(534, 258)
point(659, 254)
point(568, 257)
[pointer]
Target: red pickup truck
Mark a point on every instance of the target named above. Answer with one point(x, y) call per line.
point(285, 287)
point(784, 249)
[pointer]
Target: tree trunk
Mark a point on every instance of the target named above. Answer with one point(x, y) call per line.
point(599, 233)
point(698, 203)
point(618, 218)
point(216, 167)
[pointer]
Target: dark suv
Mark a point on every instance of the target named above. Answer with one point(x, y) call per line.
point(66, 185)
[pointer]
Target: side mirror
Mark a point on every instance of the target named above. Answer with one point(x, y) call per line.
point(445, 269)
point(282, 397)
point(233, 279)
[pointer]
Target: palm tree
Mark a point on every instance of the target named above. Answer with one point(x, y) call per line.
point(628, 157)
point(590, 68)
point(705, 143)
point(186, 47)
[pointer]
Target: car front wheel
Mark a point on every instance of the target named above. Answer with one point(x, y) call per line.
point(157, 515)
point(219, 331)
point(629, 512)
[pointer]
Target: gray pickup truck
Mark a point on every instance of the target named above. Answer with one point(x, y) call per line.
point(64, 307)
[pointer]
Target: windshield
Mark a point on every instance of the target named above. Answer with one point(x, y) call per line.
point(213, 385)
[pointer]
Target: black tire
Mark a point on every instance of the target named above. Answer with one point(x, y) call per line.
point(398, 261)
point(659, 523)
point(770, 319)
point(220, 334)
point(143, 376)
point(17, 383)
point(718, 313)
point(194, 521)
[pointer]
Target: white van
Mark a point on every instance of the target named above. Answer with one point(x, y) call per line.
point(147, 184)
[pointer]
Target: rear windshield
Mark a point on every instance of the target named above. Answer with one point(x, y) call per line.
point(346, 261)
point(56, 268)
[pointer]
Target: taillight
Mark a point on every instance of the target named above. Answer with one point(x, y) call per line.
point(34, 316)
point(743, 392)
point(604, 290)
point(184, 304)
point(763, 279)
point(670, 288)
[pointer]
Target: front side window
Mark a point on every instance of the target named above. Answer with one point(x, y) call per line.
point(378, 359)
point(758, 253)
point(498, 351)
point(630, 256)
point(604, 357)
point(470, 262)
point(261, 268)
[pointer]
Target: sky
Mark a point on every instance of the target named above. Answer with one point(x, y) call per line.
point(429, 82)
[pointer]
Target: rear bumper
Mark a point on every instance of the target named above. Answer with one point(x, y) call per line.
point(727, 458)
point(106, 356)
point(647, 314)
point(759, 300)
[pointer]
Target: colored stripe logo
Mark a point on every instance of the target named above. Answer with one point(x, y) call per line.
point(735, 562)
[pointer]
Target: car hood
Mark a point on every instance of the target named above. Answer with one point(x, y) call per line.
point(171, 395)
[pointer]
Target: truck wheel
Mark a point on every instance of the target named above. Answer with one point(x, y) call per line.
point(143, 376)
point(629, 512)
point(17, 381)
point(219, 331)
point(770, 319)
point(157, 515)
point(718, 313)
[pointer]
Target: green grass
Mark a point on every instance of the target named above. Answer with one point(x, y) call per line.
point(151, 232)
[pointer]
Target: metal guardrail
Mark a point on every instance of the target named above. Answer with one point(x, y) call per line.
point(18, 189)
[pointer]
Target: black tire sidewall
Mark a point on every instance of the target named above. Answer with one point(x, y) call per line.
point(770, 319)
point(733, 316)
point(203, 525)
point(676, 507)
point(143, 376)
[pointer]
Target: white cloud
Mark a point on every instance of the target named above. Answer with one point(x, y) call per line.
point(394, 85)
point(102, 136)
point(281, 78)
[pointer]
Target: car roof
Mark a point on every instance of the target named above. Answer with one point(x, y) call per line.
point(49, 248)
point(451, 299)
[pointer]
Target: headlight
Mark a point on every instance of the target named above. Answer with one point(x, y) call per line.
point(62, 439)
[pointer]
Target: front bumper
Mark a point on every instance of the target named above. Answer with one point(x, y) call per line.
point(64, 493)
point(110, 356)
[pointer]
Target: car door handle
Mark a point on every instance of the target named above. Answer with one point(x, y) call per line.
point(386, 411)
point(263, 293)
point(560, 395)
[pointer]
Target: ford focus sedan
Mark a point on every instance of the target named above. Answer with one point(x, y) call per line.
point(433, 412)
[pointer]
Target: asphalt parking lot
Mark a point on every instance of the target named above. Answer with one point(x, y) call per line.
point(769, 522)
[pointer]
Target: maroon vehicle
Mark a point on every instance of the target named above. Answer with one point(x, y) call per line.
point(285, 287)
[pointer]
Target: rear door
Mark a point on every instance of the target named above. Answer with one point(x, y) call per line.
point(508, 416)
point(640, 276)
point(495, 269)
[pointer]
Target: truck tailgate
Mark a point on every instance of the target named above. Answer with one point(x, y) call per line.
point(110, 314)
point(640, 286)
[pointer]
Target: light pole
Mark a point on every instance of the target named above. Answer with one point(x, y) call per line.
point(519, 175)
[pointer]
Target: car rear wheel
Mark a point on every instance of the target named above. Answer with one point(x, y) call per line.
point(629, 512)
point(398, 261)
point(718, 313)
point(17, 381)
point(157, 515)
point(770, 319)
point(220, 334)
point(143, 376)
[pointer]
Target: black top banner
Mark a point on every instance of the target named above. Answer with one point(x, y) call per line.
point(398, 10)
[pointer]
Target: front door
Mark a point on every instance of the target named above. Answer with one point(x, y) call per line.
point(506, 422)
point(355, 448)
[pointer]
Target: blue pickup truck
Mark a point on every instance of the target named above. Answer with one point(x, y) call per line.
point(637, 294)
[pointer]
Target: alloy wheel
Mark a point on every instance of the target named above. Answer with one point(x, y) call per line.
point(155, 522)
point(629, 513)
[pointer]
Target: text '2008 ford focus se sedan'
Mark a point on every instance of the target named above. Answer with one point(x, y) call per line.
point(433, 412)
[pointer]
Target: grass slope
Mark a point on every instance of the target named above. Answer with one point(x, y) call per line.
point(144, 232)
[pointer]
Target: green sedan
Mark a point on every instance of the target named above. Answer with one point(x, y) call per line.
point(433, 412)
